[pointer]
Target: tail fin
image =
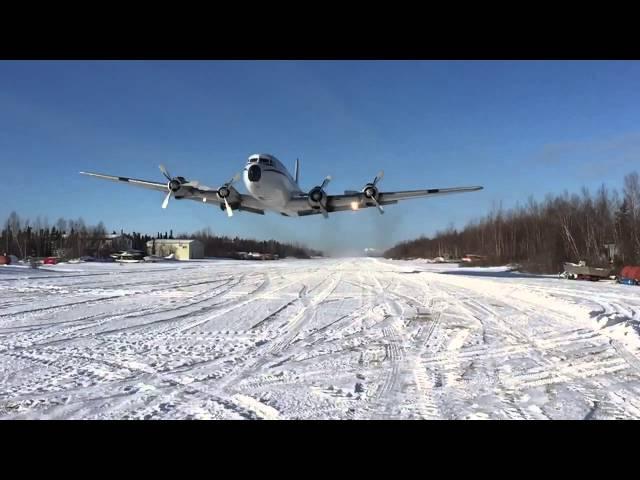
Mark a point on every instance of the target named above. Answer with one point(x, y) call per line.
point(296, 173)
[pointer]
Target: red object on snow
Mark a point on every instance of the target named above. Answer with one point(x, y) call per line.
point(631, 272)
point(50, 261)
point(5, 260)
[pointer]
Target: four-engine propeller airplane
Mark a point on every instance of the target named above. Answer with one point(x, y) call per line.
point(271, 187)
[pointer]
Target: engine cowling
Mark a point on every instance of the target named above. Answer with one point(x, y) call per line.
point(224, 192)
point(317, 197)
point(174, 185)
point(370, 191)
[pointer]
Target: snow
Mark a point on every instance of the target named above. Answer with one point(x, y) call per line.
point(353, 338)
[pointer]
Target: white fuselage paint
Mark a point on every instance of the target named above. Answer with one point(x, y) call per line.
point(275, 186)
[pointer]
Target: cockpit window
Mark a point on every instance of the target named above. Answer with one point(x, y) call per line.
point(266, 161)
point(253, 160)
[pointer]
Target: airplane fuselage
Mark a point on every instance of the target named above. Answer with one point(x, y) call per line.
point(268, 181)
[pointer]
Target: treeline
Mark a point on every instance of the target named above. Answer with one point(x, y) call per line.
point(215, 246)
point(74, 238)
point(66, 238)
point(540, 236)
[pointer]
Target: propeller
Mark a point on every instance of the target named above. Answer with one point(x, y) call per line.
point(371, 191)
point(325, 182)
point(224, 192)
point(375, 200)
point(175, 184)
point(229, 210)
point(171, 183)
point(317, 195)
point(234, 179)
point(166, 199)
point(165, 172)
point(325, 214)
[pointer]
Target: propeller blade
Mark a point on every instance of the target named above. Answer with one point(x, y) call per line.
point(378, 177)
point(165, 172)
point(325, 214)
point(229, 211)
point(235, 178)
point(378, 205)
point(166, 200)
point(325, 182)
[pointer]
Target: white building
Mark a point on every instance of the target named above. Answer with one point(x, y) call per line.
point(182, 249)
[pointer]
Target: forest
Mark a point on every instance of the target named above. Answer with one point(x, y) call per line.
point(541, 235)
point(67, 239)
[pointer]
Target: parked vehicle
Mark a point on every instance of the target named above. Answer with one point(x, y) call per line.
point(581, 271)
point(629, 275)
point(129, 256)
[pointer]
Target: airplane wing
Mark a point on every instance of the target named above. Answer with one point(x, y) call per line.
point(160, 187)
point(237, 200)
point(191, 191)
point(357, 200)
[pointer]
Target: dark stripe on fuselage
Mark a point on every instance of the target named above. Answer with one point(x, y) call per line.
point(123, 179)
point(433, 190)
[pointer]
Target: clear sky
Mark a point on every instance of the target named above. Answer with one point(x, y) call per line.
point(518, 128)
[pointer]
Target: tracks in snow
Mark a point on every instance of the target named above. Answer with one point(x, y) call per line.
point(310, 339)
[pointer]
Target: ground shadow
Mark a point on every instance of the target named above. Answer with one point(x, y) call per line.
point(505, 274)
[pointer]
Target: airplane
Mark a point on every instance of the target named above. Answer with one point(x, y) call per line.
point(272, 188)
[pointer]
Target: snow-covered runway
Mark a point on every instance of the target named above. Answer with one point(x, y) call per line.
point(314, 339)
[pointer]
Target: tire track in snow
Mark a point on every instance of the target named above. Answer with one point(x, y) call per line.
point(95, 321)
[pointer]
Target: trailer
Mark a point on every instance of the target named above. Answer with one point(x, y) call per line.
point(581, 271)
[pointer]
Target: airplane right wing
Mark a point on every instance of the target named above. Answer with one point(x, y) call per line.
point(431, 192)
point(160, 187)
point(354, 200)
point(226, 196)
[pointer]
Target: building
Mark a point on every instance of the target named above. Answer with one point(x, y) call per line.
point(182, 249)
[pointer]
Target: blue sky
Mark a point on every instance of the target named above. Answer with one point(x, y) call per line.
point(518, 128)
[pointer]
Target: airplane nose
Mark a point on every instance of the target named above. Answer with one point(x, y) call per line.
point(254, 173)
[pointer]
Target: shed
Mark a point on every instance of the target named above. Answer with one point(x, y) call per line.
point(182, 249)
